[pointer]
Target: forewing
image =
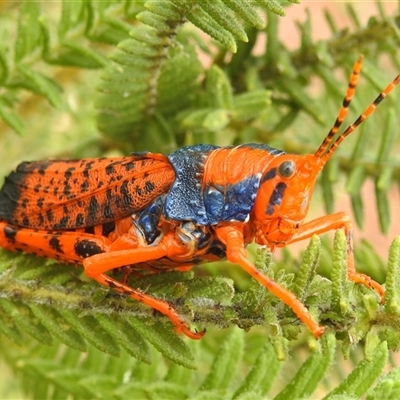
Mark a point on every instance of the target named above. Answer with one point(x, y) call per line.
point(71, 194)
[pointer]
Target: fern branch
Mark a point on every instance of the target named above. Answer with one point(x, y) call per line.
point(157, 71)
point(51, 375)
point(38, 42)
point(61, 300)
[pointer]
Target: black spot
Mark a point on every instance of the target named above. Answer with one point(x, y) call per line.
point(108, 212)
point(146, 175)
point(49, 216)
point(88, 165)
point(55, 244)
point(68, 172)
point(276, 197)
point(85, 185)
point(86, 248)
point(62, 224)
point(125, 193)
point(10, 232)
point(25, 220)
point(269, 175)
point(25, 203)
point(40, 202)
point(107, 228)
point(149, 186)
point(93, 205)
point(119, 202)
point(41, 219)
point(67, 188)
point(138, 191)
point(43, 166)
point(129, 166)
point(79, 220)
point(110, 170)
point(36, 189)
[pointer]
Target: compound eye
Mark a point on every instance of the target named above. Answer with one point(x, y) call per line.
point(286, 169)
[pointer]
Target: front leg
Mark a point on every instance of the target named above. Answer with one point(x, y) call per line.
point(232, 236)
point(334, 222)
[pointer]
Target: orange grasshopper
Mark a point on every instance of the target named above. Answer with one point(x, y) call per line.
point(157, 213)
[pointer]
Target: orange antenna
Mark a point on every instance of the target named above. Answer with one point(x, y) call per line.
point(324, 152)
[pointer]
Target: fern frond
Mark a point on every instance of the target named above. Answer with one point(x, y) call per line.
point(38, 41)
point(230, 373)
point(71, 314)
point(157, 71)
point(392, 281)
point(362, 377)
point(62, 306)
point(388, 387)
point(131, 87)
point(310, 373)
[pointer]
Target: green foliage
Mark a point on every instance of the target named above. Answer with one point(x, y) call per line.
point(60, 372)
point(43, 302)
point(158, 83)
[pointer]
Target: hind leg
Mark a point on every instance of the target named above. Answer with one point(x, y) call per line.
point(99, 255)
point(169, 246)
point(62, 245)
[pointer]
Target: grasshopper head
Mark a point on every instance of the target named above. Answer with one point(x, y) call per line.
point(284, 196)
point(286, 188)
